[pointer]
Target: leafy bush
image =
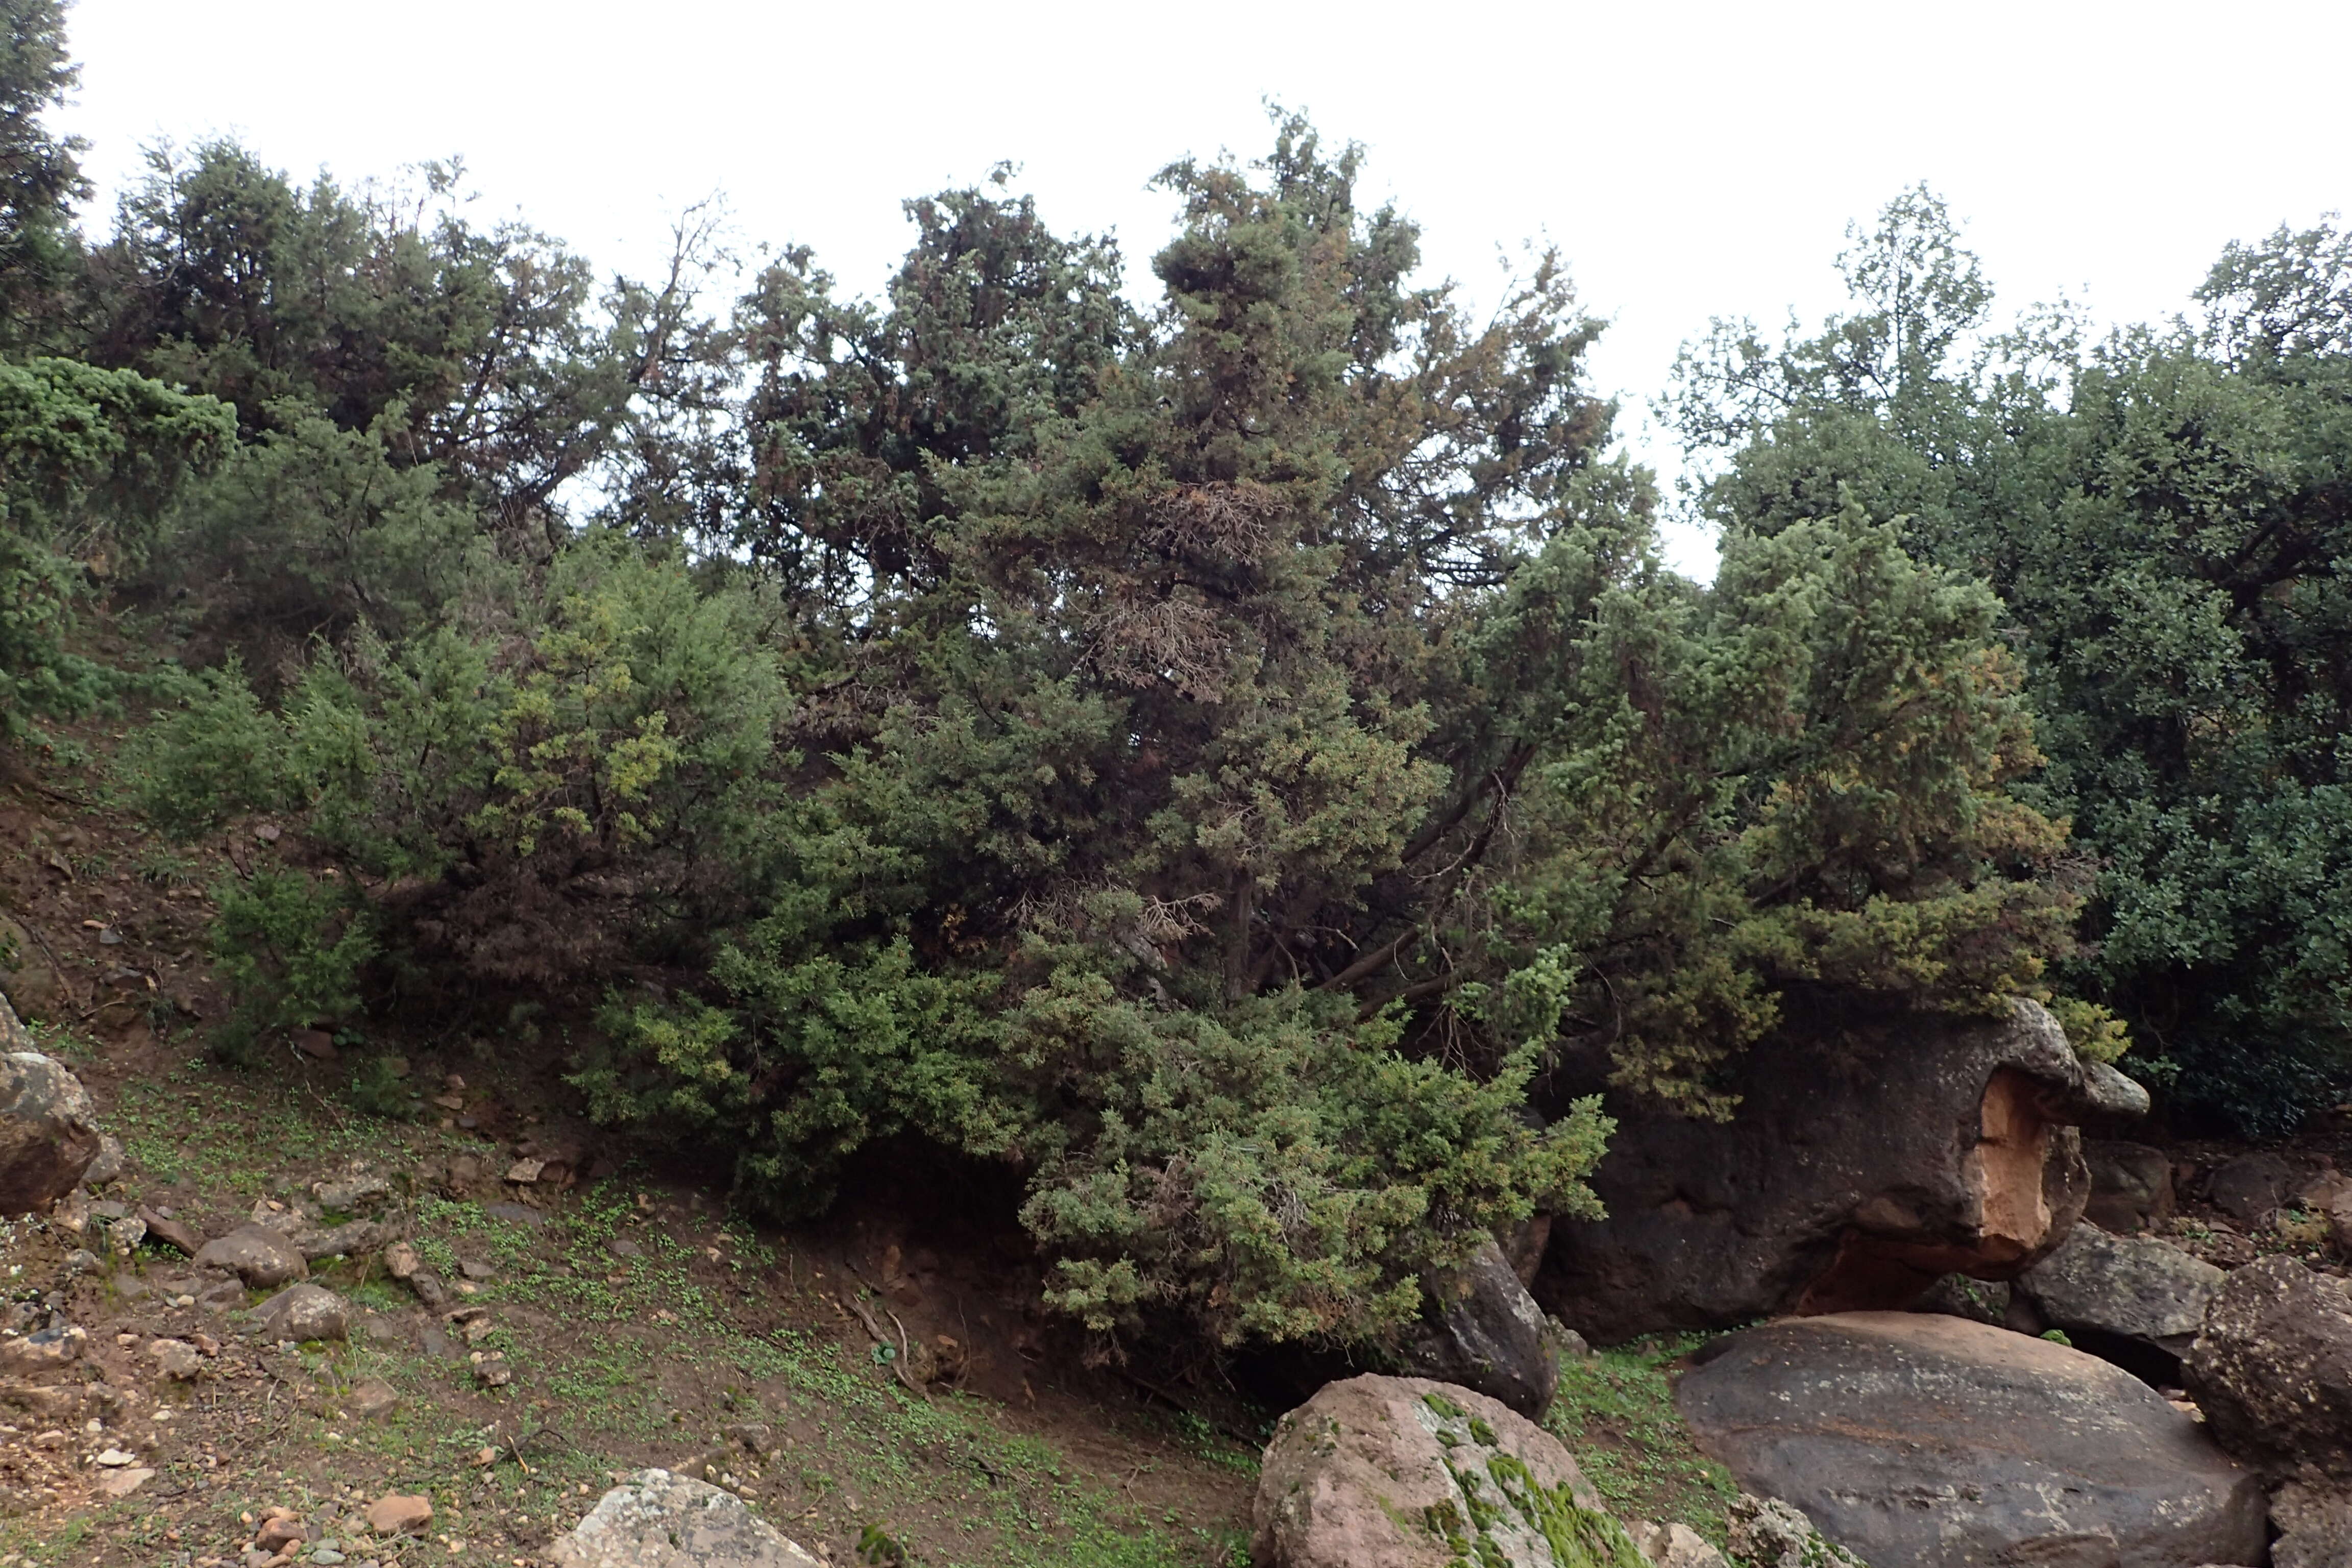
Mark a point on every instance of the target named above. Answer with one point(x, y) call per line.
point(290, 948)
point(88, 460)
point(1217, 764)
point(2163, 519)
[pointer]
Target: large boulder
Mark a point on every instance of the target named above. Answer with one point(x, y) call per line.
point(1934, 1442)
point(2134, 1288)
point(1481, 1329)
point(1402, 1472)
point(657, 1520)
point(2272, 1368)
point(48, 1125)
point(2131, 1185)
point(1863, 1163)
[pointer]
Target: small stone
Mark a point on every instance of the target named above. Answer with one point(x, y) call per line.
point(110, 937)
point(81, 1260)
point(110, 1209)
point(123, 1482)
point(283, 1530)
point(492, 1372)
point(164, 1228)
point(305, 1313)
point(326, 1557)
point(401, 1261)
point(41, 1352)
point(176, 1358)
point(115, 1459)
point(395, 1514)
point(524, 1172)
point(109, 1164)
point(427, 1287)
point(262, 1257)
point(372, 1397)
point(754, 1436)
point(351, 1193)
point(450, 1102)
point(316, 1043)
point(473, 1269)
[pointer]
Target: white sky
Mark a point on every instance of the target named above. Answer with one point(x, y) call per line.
point(1689, 159)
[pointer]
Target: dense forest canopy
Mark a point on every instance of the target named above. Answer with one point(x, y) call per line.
point(1231, 762)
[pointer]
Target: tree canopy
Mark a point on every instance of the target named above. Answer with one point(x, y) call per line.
point(1230, 762)
point(2163, 516)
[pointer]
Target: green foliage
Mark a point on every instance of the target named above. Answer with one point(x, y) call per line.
point(1615, 1412)
point(1221, 763)
point(88, 460)
point(40, 177)
point(2163, 517)
point(380, 1087)
point(314, 529)
point(288, 946)
point(588, 780)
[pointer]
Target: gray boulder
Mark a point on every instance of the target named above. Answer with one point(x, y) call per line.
point(2135, 1287)
point(657, 1520)
point(2314, 1526)
point(2250, 1188)
point(1934, 1442)
point(2272, 1368)
point(261, 1257)
point(1480, 1327)
point(304, 1312)
point(48, 1134)
point(1862, 1164)
point(353, 1239)
point(1401, 1472)
point(2131, 1185)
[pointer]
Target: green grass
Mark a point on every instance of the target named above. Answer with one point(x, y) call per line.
point(1616, 1413)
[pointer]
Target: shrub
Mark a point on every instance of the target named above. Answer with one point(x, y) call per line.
point(289, 947)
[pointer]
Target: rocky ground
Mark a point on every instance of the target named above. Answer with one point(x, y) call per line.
point(548, 1336)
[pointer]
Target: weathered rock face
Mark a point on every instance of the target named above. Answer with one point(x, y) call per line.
point(1481, 1329)
point(1934, 1442)
point(2272, 1368)
point(655, 1519)
point(2135, 1287)
point(1401, 1472)
point(1858, 1170)
point(47, 1131)
point(2314, 1526)
point(2131, 1185)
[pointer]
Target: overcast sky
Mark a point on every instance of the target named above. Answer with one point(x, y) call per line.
point(1689, 159)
